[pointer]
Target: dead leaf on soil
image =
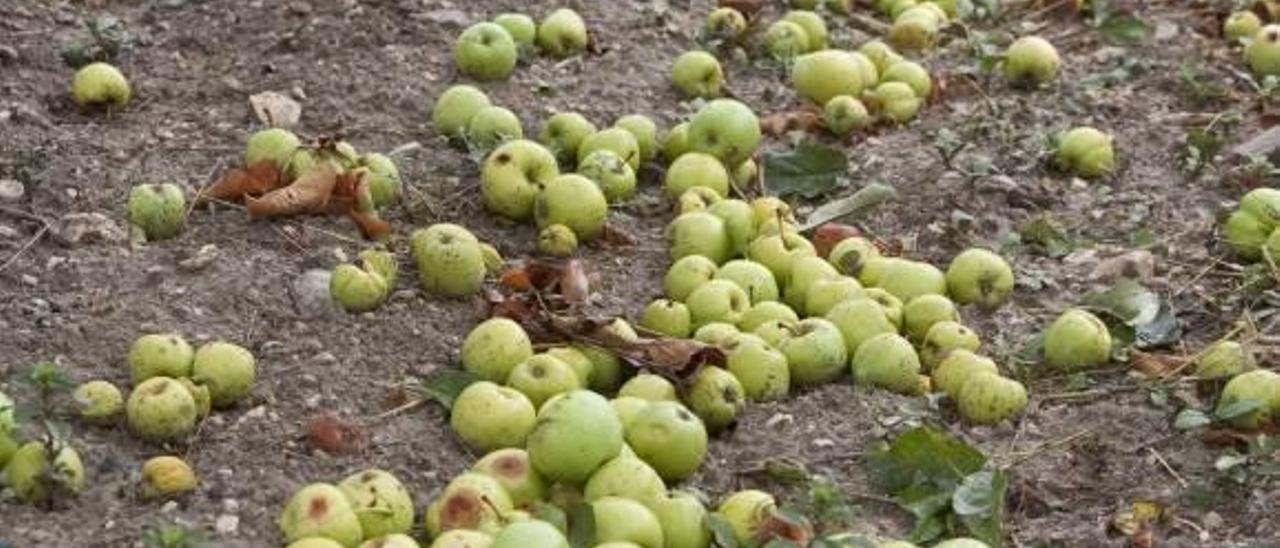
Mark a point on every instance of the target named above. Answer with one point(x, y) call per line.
point(237, 184)
point(1138, 523)
point(782, 526)
point(275, 109)
point(336, 435)
point(575, 282)
point(309, 194)
point(1158, 365)
point(615, 236)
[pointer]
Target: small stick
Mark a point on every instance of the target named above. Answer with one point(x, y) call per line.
point(1167, 468)
point(413, 404)
point(30, 242)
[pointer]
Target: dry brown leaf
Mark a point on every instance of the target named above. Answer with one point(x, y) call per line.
point(371, 226)
point(309, 194)
point(575, 284)
point(336, 435)
point(778, 526)
point(613, 235)
point(826, 237)
point(780, 123)
point(1158, 365)
point(237, 184)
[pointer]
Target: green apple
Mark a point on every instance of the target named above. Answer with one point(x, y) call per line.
point(1241, 25)
point(880, 54)
point(469, 501)
point(228, 370)
point(979, 276)
point(644, 130)
point(492, 126)
point(668, 317)
point(650, 387)
point(557, 241)
point(158, 210)
point(320, 510)
point(907, 280)
point(779, 252)
point(625, 520)
point(1031, 61)
point(574, 201)
point(739, 222)
point(529, 534)
point(892, 305)
point(822, 75)
point(766, 311)
point(494, 347)
point(744, 176)
point(380, 502)
point(698, 198)
point(804, 272)
point(1085, 151)
point(580, 363)
point(716, 333)
point(542, 376)
point(717, 301)
point(33, 478)
point(387, 541)
point(356, 289)
point(725, 24)
point(574, 436)
point(382, 262)
point(448, 259)
point(716, 397)
point(784, 40)
point(960, 365)
point(814, 27)
point(726, 129)
point(275, 145)
point(761, 370)
point(1260, 385)
point(461, 538)
point(450, 115)
point(1264, 204)
point(513, 174)
point(921, 313)
point(699, 233)
point(683, 519)
point(823, 295)
point(752, 277)
point(606, 368)
point(614, 176)
point(859, 320)
point(670, 438)
point(770, 208)
point(1224, 359)
point(383, 177)
point(676, 142)
point(627, 477)
point(521, 28)
point(894, 101)
point(100, 84)
point(628, 407)
point(1077, 340)
point(775, 332)
point(696, 169)
point(912, 74)
point(942, 338)
point(844, 114)
point(815, 351)
point(564, 132)
point(160, 355)
point(915, 29)
point(873, 268)
point(746, 511)
point(485, 51)
point(563, 33)
point(1263, 53)
point(97, 402)
point(686, 274)
point(697, 74)
point(988, 398)
point(488, 416)
point(887, 361)
point(510, 467)
point(616, 140)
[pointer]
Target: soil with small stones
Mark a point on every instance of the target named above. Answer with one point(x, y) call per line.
point(1088, 447)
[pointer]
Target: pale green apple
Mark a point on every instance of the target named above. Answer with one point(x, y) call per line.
point(488, 416)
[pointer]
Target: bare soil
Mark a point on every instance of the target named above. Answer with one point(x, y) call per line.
point(369, 71)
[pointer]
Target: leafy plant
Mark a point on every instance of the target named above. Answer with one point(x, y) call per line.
point(1045, 237)
point(1200, 90)
point(1117, 26)
point(107, 39)
point(1259, 461)
point(945, 483)
point(173, 536)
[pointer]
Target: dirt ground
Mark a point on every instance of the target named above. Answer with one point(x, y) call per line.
point(370, 69)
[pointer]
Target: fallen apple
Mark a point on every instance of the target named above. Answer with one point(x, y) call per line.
point(1261, 386)
point(683, 519)
point(754, 278)
point(717, 301)
point(471, 501)
point(766, 311)
point(529, 534)
point(779, 252)
point(726, 129)
point(34, 478)
point(450, 115)
point(887, 361)
point(725, 24)
point(485, 51)
point(739, 223)
point(944, 337)
point(880, 54)
point(492, 126)
point(696, 169)
point(644, 130)
point(494, 347)
point(97, 402)
point(1085, 151)
point(1241, 25)
point(627, 477)
point(894, 101)
point(1031, 61)
point(784, 40)
point(159, 211)
point(978, 276)
point(699, 233)
point(200, 395)
point(960, 365)
point(625, 520)
point(921, 313)
point(513, 174)
point(804, 272)
point(716, 333)
point(574, 436)
point(161, 409)
point(670, 438)
point(814, 27)
point(488, 416)
point(988, 398)
point(396, 540)
point(557, 240)
point(100, 84)
point(761, 370)
point(815, 351)
point(746, 511)
point(563, 33)
point(320, 510)
point(166, 477)
point(380, 501)
point(825, 294)
point(614, 176)
point(461, 538)
point(356, 289)
point(912, 74)
point(512, 469)
point(521, 27)
point(650, 387)
point(676, 142)
point(697, 74)
point(716, 397)
point(543, 376)
point(563, 133)
point(1077, 340)
point(844, 114)
point(1263, 52)
point(668, 317)
point(616, 140)
point(448, 260)
point(907, 280)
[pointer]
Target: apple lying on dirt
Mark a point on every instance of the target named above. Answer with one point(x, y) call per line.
point(161, 409)
point(670, 438)
point(356, 289)
point(383, 177)
point(627, 407)
point(716, 397)
point(563, 33)
point(921, 313)
point(1224, 359)
point(526, 534)
point(676, 142)
point(470, 501)
point(97, 402)
point(844, 114)
point(668, 317)
point(686, 274)
point(574, 435)
point(644, 130)
point(960, 365)
point(716, 333)
point(892, 305)
point(726, 129)
point(513, 174)
point(907, 280)
point(699, 233)
point(978, 276)
point(880, 54)
point(683, 520)
point(624, 520)
point(616, 140)
point(754, 278)
point(887, 361)
point(725, 24)
point(448, 260)
point(771, 208)
point(488, 416)
point(805, 271)
point(485, 51)
point(912, 74)
point(492, 126)
point(784, 40)
point(944, 337)
point(158, 210)
point(451, 113)
point(814, 27)
point(627, 477)
point(766, 311)
point(823, 295)
point(521, 27)
point(1262, 386)
point(1263, 53)
point(760, 369)
point(1085, 151)
point(557, 240)
point(1077, 340)
point(542, 376)
point(744, 176)
point(746, 511)
point(1241, 25)
point(815, 352)
point(100, 84)
point(33, 477)
point(1030, 61)
point(894, 101)
point(494, 347)
point(914, 30)
point(199, 394)
point(988, 398)
point(573, 201)
point(648, 386)
point(850, 254)
point(166, 477)
point(320, 510)
point(696, 169)
point(563, 133)
point(461, 538)
point(1263, 204)
point(697, 74)
point(698, 198)
point(380, 502)
point(614, 176)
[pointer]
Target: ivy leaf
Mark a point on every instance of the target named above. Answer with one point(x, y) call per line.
point(927, 454)
point(809, 170)
point(1149, 316)
point(1235, 409)
point(866, 197)
point(445, 385)
point(1190, 419)
point(721, 531)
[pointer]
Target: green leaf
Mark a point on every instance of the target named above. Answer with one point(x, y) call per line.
point(1190, 419)
point(1043, 234)
point(721, 531)
point(1124, 30)
point(809, 170)
point(444, 385)
point(1151, 317)
point(1236, 409)
point(786, 471)
point(866, 197)
point(984, 489)
point(973, 497)
point(923, 454)
point(582, 526)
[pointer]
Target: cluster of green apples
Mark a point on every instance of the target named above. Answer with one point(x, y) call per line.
point(449, 260)
point(33, 469)
point(371, 508)
point(1253, 230)
point(98, 84)
point(916, 23)
point(465, 114)
point(490, 50)
point(286, 151)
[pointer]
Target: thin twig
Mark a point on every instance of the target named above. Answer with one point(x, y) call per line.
point(1167, 468)
point(39, 234)
point(411, 405)
point(1023, 456)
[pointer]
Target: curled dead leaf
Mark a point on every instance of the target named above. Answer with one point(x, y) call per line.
point(237, 184)
point(780, 123)
point(336, 435)
point(1158, 365)
point(779, 526)
point(310, 193)
point(575, 282)
point(613, 235)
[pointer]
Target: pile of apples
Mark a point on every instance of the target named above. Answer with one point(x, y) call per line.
point(1261, 41)
point(491, 49)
